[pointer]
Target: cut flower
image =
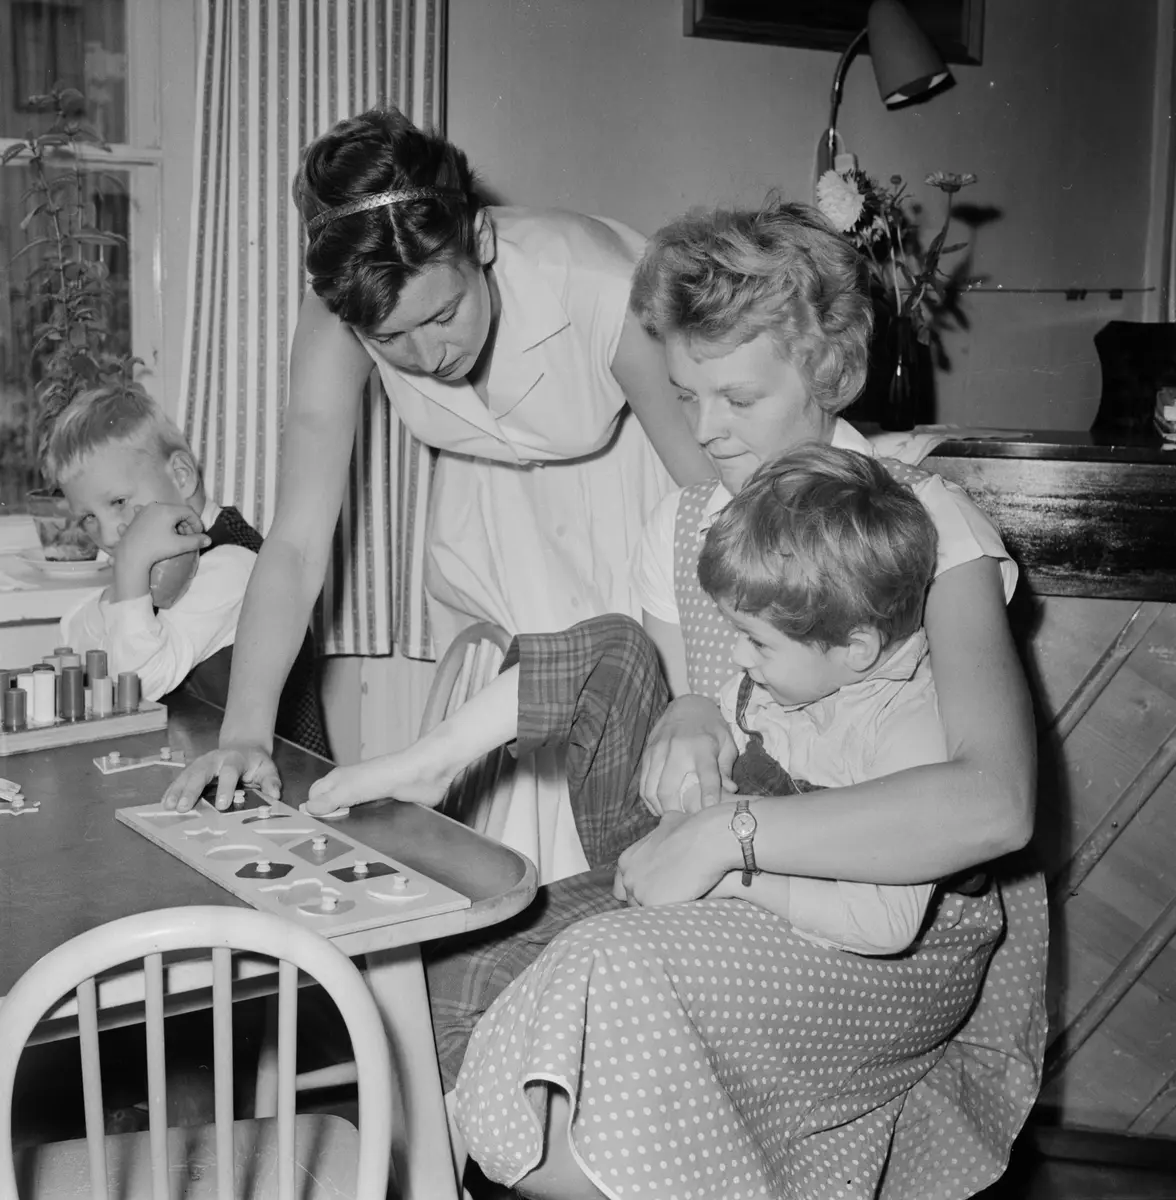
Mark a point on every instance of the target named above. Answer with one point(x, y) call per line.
point(949, 181)
point(882, 222)
point(841, 200)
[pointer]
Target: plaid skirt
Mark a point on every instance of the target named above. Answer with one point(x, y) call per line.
point(596, 690)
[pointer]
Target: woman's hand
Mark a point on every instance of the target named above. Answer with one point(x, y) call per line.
point(416, 774)
point(228, 765)
point(688, 758)
point(682, 859)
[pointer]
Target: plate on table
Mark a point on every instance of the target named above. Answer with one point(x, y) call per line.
point(64, 568)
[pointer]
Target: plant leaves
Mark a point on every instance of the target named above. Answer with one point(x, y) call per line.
point(30, 246)
point(96, 238)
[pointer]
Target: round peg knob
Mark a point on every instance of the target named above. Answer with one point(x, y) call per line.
point(114, 756)
point(318, 843)
point(360, 867)
point(263, 866)
point(239, 797)
point(165, 753)
point(400, 883)
point(330, 903)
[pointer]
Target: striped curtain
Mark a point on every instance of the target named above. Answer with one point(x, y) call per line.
point(273, 75)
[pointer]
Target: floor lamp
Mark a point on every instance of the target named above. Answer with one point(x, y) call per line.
point(906, 65)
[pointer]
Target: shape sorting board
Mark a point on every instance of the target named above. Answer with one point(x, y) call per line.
point(277, 858)
point(92, 729)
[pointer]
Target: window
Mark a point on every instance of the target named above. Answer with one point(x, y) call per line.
point(109, 51)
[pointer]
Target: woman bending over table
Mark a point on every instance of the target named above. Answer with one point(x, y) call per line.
point(687, 1047)
point(503, 338)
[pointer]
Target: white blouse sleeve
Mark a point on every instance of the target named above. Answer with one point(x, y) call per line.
point(653, 561)
point(965, 531)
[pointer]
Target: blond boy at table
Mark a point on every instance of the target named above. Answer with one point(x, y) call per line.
point(132, 480)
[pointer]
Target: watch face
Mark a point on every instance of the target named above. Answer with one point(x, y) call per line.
point(743, 825)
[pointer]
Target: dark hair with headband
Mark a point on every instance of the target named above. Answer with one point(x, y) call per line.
point(382, 200)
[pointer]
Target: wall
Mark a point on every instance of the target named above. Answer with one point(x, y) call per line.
point(603, 105)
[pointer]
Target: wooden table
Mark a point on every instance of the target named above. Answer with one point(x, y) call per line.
point(72, 866)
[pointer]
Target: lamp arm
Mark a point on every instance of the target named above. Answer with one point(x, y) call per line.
point(835, 93)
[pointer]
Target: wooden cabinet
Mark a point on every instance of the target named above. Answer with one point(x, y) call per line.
point(1094, 529)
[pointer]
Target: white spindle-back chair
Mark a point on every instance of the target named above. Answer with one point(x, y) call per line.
point(289, 1157)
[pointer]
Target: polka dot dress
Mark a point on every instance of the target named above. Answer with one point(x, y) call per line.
point(710, 1054)
point(713, 1055)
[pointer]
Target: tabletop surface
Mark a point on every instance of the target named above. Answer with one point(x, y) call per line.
point(71, 865)
point(1063, 445)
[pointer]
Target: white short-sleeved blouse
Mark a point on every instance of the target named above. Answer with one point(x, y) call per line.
point(538, 500)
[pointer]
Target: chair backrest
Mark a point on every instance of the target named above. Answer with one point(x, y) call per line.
point(147, 937)
point(472, 660)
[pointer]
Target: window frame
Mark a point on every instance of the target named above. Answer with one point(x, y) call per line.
point(142, 159)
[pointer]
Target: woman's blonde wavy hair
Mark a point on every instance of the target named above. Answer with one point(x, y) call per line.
point(725, 276)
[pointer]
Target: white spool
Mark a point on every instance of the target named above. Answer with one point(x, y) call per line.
point(102, 697)
point(44, 700)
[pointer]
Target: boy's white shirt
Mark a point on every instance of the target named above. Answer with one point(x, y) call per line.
point(163, 647)
point(883, 724)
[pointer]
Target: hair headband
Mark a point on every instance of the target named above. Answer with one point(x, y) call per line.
point(384, 198)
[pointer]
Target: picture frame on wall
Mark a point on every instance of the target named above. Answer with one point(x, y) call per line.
point(955, 26)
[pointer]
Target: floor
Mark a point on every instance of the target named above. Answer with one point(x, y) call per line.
point(1051, 1164)
point(1140, 1170)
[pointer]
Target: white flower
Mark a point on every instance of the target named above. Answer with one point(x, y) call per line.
point(840, 200)
point(949, 181)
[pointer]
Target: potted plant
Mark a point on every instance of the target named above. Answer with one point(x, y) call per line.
point(69, 295)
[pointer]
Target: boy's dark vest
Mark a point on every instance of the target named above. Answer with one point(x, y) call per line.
point(300, 717)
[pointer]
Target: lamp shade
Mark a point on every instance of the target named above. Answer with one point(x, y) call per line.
point(906, 64)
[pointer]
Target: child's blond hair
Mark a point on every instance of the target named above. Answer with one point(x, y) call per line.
point(822, 541)
point(101, 416)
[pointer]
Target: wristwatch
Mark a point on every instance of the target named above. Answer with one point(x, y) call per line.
point(743, 826)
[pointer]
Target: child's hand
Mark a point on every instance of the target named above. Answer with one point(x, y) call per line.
point(158, 531)
point(155, 533)
point(410, 775)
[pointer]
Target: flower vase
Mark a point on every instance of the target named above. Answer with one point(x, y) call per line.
point(902, 392)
